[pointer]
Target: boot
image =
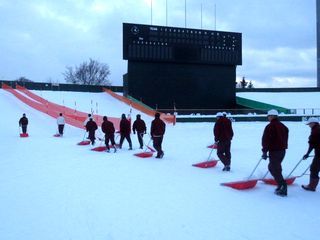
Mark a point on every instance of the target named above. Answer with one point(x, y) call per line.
point(312, 185)
point(283, 190)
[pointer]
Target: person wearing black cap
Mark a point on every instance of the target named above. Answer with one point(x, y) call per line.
point(139, 126)
point(23, 123)
point(125, 130)
point(158, 128)
point(108, 128)
point(91, 127)
point(314, 144)
point(275, 142)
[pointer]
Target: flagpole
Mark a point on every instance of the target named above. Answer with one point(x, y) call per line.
point(166, 12)
point(201, 15)
point(185, 13)
point(151, 12)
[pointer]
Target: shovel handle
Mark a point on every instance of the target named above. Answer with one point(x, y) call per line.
point(294, 168)
point(255, 168)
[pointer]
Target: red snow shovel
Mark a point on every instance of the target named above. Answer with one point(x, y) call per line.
point(289, 179)
point(145, 154)
point(99, 149)
point(24, 135)
point(245, 184)
point(84, 142)
point(207, 164)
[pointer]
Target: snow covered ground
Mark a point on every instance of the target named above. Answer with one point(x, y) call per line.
point(50, 188)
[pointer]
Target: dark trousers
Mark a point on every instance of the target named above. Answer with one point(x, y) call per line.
point(140, 138)
point(108, 138)
point(315, 165)
point(275, 160)
point(60, 128)
point(92, 136)
point(24, 128)
point(223, 152)
point(157, 144)
point(122, 137)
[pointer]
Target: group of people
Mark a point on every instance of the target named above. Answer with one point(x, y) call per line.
point(157, 132)
point(274, 141)
point(274, 145)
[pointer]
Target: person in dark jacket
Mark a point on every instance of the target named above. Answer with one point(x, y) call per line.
point(223, 134)
point(23, 123)
point(125, 129)
point(158, 128)
point(314, 143)
point(139, 126)
point(108, 128)
point(91, 127)
point(275, 142)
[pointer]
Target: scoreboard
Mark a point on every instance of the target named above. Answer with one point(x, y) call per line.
point(181, 45)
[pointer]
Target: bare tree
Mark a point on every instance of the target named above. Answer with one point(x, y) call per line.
point(243, 83)
point(23, 79)
point(88, 73)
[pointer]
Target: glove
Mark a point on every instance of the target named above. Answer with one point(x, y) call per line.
point(264, 156)
point(305, 156)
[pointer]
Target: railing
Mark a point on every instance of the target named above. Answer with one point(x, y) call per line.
point(244, 111)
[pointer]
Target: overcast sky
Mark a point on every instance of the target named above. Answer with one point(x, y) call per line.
point(39, 38)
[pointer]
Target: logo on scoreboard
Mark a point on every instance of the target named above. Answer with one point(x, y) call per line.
point(135, 30)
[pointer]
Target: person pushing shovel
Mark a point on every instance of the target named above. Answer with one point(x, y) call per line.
point(223, 135)
point(275, 142)
point(314, 143)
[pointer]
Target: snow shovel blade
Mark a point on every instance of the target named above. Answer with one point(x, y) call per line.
point(206, 164)
point(271, 181)
point(241, 185)
point(23, 135)
point(85, 142)
point(144, 154)
point(99, 149)
point(214, 146)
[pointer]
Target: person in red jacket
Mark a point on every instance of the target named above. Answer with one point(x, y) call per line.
point(125, 129)
point(158, 128)
point(107, 128)
point(23, 123)
point(275, 142)
point(314, 143)
point(139, 126)
point(91, 127)
point(223, 134)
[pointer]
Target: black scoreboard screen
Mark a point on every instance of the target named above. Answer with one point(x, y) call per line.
point(171, 44)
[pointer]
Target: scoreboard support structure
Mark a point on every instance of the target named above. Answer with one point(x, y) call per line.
point(179, 67)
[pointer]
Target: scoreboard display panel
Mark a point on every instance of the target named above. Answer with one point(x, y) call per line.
point(182, 45)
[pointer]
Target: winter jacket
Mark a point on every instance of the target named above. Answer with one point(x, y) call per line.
point(158, 127)
point(91, 126)
point(60, 120)
point(223, 130)
point(23, 121)
point(125, 127)
point(314, 138)
point(275, 136)
point(107, 127)
point(140, 126)
point(87, 120)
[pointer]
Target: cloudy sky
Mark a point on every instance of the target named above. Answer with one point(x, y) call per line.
point(40, 38)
